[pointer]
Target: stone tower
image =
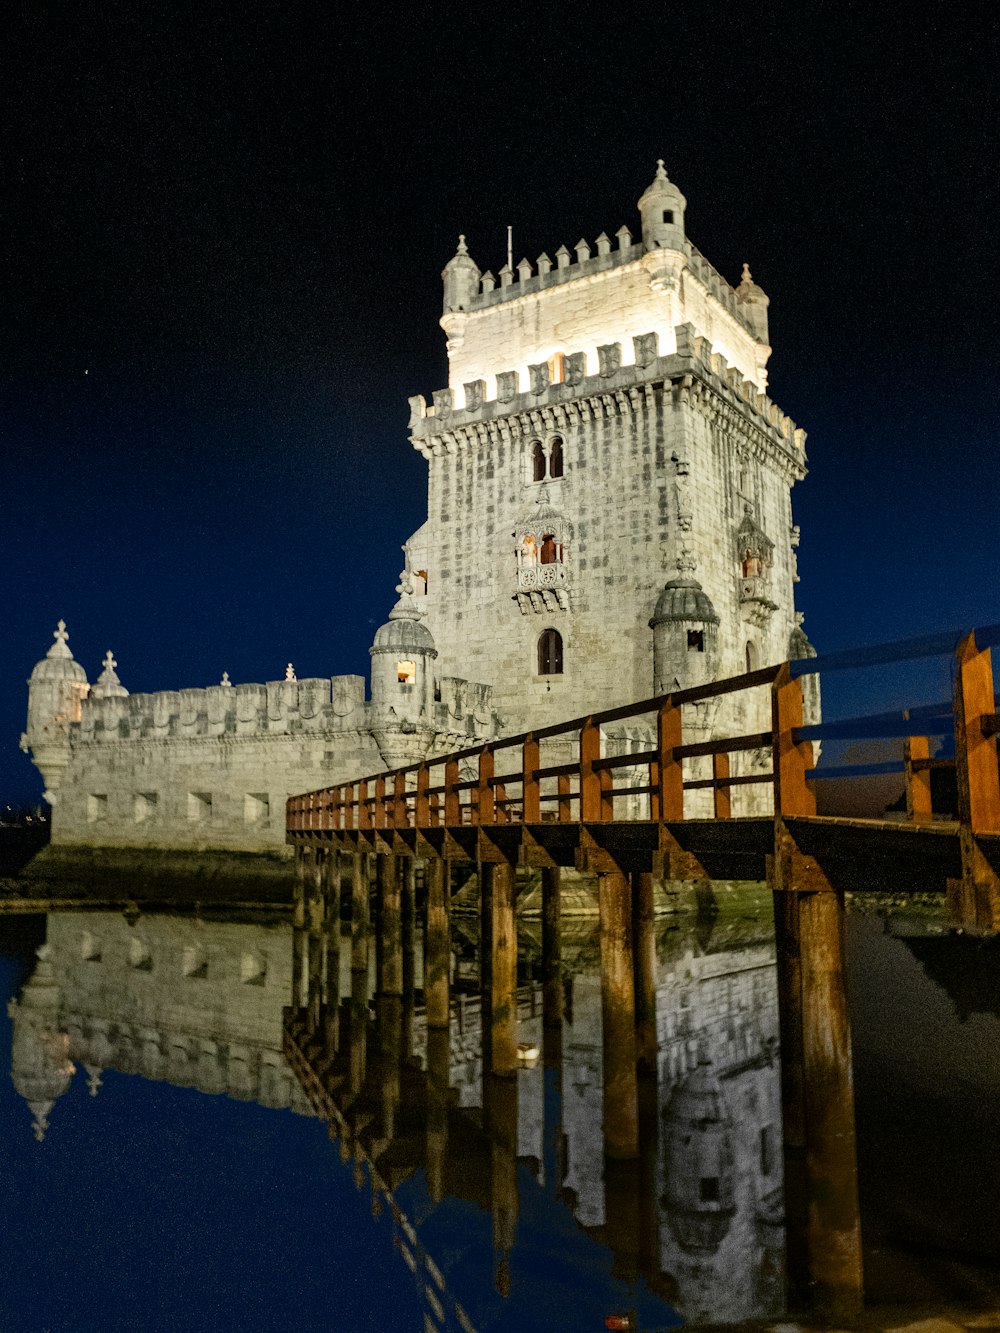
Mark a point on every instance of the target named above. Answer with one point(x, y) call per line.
point(57, 688)
point(609, 487)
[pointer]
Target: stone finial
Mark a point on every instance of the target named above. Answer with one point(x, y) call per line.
point(685, 561)
point(107, 683)
point(582, 251)
point(94, 1081)
point(488, 282)
point(562, 257)
point(462, 248)
point(506, 276)
point(747, 277)
point(624, 238)
point(523, 270)
point(544, 265)
point(60, 648)
point(290, 672)
point(603, 245)
point(225, 682)
point(407, 608)
point(661, 170)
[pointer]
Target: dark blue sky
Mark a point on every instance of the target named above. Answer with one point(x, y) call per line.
point(220, 270)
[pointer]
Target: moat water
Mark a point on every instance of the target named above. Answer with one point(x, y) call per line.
point(165, 1169)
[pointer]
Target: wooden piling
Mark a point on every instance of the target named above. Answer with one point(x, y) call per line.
point(437, 950)
point(644, 971)
point(390, 933)
point(498, 886)
point(359, 913)
point(621, 1116)
point(552, 978)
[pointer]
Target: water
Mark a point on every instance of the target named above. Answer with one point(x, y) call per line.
point(183, 1180)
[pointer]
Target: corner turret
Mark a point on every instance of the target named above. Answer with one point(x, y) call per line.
point(57, 688)
point(403, 679)
point(685, 628)
point(461, 279)
point(752, 303)
point(662, 210)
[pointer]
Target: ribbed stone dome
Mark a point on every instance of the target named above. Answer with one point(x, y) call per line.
point(58, 664)
point(403, 634)
point(684, 600)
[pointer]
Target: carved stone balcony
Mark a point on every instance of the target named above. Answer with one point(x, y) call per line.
point(756, 606)
point(542, 588)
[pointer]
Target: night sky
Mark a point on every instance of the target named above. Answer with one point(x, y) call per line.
point(223, 230)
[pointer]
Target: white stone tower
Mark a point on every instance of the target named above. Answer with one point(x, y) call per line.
point(57, 688)
point(609, 508)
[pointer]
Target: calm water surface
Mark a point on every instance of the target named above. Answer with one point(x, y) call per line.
point(165, 1168)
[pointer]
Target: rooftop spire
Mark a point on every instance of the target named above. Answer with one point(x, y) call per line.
point(60, 648)
point(406, 608)
point(107, 682)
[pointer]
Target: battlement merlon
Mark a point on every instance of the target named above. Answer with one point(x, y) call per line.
point(600, 299)
point(542, 403)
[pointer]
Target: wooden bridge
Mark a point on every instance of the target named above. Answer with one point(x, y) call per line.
point(561, 797)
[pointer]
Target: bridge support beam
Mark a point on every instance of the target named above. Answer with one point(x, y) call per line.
point(438, 1069)
point(498, 883)
point(621, 1114)
point(644, 969)
point(389, 937)
point(552, 979)
point(359, 912)
point(331, 931)
point(821, 1177)
point(974, 901)
point(437, 945)
point(299, 927)
point(315, 942)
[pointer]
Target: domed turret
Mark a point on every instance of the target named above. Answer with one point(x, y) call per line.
point(752, 303)
point(662, 210)
point(40, 1066)
point(461, 279)
point(56, 690)
point(685, 628)
point(403, 679)
point(107, 685)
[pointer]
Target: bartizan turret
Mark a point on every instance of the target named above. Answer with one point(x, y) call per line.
point(402, 707)
point(752, 303)
point(461, 279)
point(685, 628)
point(662, 209)
point(57, 688)
point(40, 1066)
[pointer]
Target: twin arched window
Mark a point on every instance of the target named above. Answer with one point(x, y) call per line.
point(550, 653)
point(547, 462)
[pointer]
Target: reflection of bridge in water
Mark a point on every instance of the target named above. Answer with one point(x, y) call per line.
point(561, 797)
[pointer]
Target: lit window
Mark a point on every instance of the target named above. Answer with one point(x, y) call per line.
point(550, 653)
point(557, 369)
point(406, 673)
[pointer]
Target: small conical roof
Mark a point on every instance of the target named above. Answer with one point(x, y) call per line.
point(58, 663)
point(684, 600)
point(108, 685)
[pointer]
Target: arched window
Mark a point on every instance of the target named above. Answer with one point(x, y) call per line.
point(537, 462)
point(751, 656)
point(550, 552)
point(550, 653)
point(556, 458)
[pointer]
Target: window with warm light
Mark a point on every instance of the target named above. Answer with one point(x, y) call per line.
point(406, 673)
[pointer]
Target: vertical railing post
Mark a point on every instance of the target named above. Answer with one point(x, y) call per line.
point(591, 800)
point(422, 806)
point(364, 809)
point(399, 816)
point(919, 806)
point(564, 804)
point(720, 788)
point(977, 905)
point(485, 807)
point(671, 773)
point(452, 797)
point(349, 821)
point(791, 760)
point(531, 792)
point(380, 814)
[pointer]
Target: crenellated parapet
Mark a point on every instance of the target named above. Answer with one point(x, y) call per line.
point(693, 371)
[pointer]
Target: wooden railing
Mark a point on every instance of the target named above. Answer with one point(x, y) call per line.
point(569, 772)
